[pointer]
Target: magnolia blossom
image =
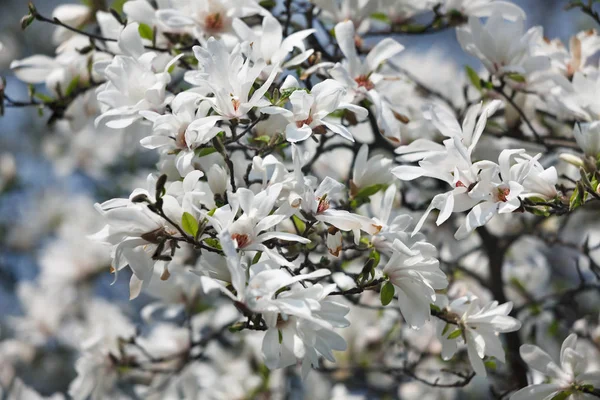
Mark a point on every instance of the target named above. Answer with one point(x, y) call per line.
point(138, 234)
point(357, 11)
point(271, 46)
point(208, 18)
point(416, 274)
point(132, 83)
point(479, 326)
point(567, 378)
point(503, 46)
point(484, 8)
point(361, 77)
point(251, 229)
point(180, 130)
point(311, 111)
point(587, 136)
point(369, 171)
point(229, 76)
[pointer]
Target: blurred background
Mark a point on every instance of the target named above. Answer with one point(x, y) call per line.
point(36, 193)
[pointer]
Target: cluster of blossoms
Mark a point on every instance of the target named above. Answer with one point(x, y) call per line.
point(286, 217)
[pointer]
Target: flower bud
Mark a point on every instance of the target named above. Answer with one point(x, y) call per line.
point(217, 179)
point(571, 159)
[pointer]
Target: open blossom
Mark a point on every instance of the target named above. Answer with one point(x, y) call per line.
point(133, 85)
point(270, 45)
point(587, 136)
point(574, 372)
point(179, 132)
point(356, 11)
point(503, 46)
point(361, 77)
point(416, 274)
point(484, 8)
point(311, 111)
point(479, 325)
point(369, 171)
point(210, 18)
point(138, 235)
point(250, 230)
point(230, 77)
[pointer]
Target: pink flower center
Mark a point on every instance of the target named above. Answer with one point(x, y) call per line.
point(241, 239)
point(214, 22)
point(307, 121)
point(365, 82)
point(323, 205)
point(502, 194)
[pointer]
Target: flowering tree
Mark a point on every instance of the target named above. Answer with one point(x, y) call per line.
point(315, 219)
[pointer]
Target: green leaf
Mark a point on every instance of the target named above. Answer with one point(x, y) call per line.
point(370, 190)
point(299, 224)
point(516, 77)
point(264, 139)
point(562, 395)
point(205, 151)
point(435, 308)
point(554, 328)
point(576, 199)
point(455, 334)
point(376, 257)
point(268, 3)
point(446, 329)
point(473, 77)
point(44, 98)
point(74, 84)
point(387, 293)
point(146, 32)
point(212, 242)
point(381, 17)
point(117, 5)
point(189, 224)
point(256, 257)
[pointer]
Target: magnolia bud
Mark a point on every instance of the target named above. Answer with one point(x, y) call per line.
point(217, 179)
point(571, 159)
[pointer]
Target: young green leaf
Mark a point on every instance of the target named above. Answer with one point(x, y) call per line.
point(146, 32)
point(189, 224)
point(387, 293)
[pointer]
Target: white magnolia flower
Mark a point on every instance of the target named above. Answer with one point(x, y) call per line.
point(484, 8)
point(369, 171)
point(292, 337)
point(574, 372)
point(137, 233)
point(132, 84)
point(361, 77)
point(503, 46)
point(75, 15)
point(230, 77)
point(450, 162)
point(97, 371)
point(497, 191)
point(270, 45)
point(575, 58)
point(587, 136)
point(479, 326)
point(416, 274)
point(311, 111)
point(179, 131)
point(357, 11)
point(250, 230)
point(210, 18)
